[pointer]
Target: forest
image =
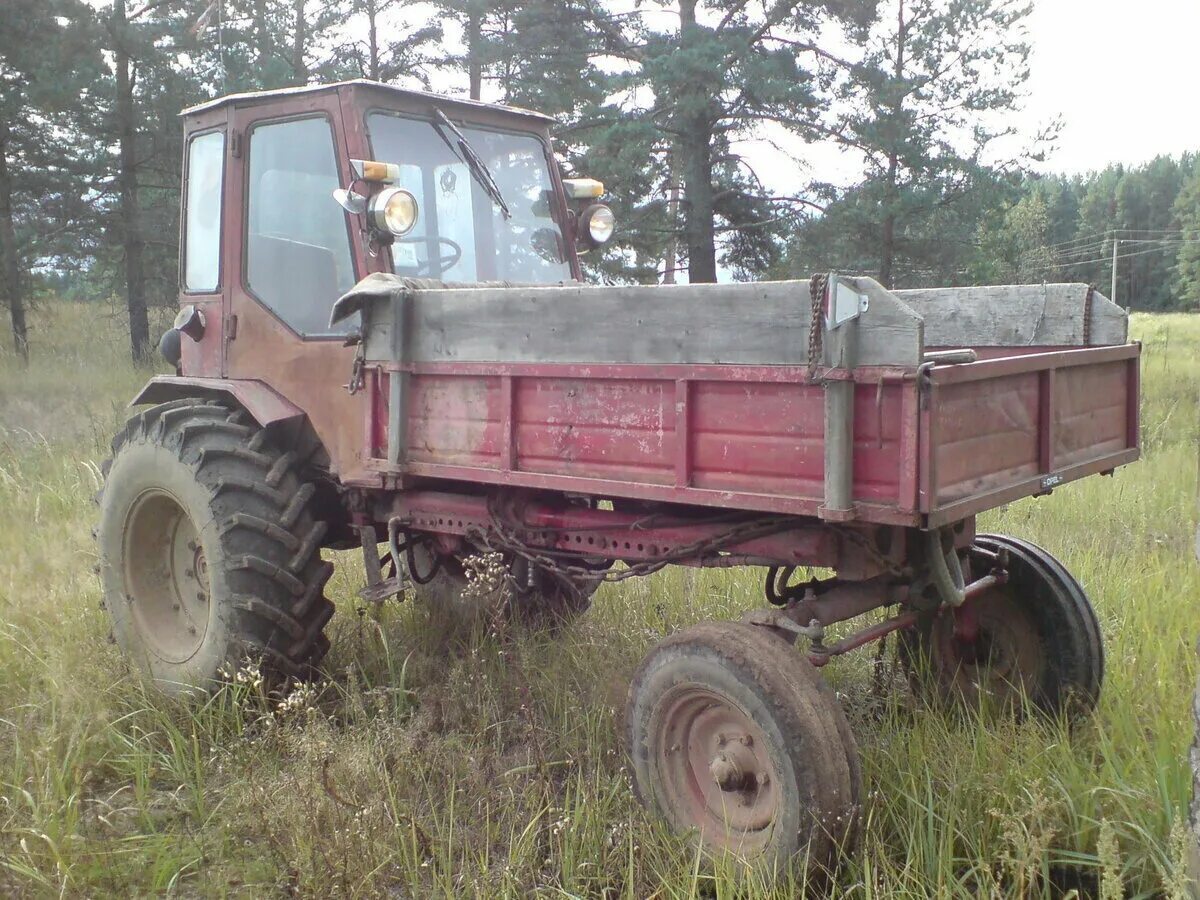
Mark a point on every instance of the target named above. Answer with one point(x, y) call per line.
point(660, 100)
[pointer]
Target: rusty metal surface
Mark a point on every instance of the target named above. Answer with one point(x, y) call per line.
point(264, 404)
point(738, 436)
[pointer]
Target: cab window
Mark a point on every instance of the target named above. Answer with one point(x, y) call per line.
point(298, 259)
point(461, 235)
point(202, 221)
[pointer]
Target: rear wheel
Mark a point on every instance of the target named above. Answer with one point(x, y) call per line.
point(734, 736)
point(1036, 640)
point(209, 553)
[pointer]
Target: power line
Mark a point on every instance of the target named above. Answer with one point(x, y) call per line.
point(1084, 262)
point(1105, 236)
point(1093, 248)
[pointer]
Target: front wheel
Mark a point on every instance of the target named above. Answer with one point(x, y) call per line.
point(1036, 640)
point(735, 737)
point(209, 552)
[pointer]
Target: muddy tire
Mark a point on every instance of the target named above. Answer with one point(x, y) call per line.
point(735, 738)
point(209, 553)
point(1038, 644)
point(544, 605)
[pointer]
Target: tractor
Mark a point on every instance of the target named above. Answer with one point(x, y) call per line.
point(385, 341)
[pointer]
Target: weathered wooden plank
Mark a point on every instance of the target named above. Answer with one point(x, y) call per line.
point(747, 324)
point(889, 332)
point(765, 323)
point(1015, 316)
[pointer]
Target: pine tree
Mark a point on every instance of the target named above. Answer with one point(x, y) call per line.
point(47, 72)
point(922, 106)
point(1187, 266)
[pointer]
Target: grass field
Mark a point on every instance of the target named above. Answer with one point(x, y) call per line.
point(492, 765)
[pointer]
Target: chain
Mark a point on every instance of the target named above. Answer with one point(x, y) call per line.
point(891, 567)
point(816, 290)
point(357, 369)
point(502, 537)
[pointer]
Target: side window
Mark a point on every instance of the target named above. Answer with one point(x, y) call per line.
point(202, 223)
point(298, 250)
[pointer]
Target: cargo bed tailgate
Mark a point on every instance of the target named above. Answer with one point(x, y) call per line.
point(1000, 429)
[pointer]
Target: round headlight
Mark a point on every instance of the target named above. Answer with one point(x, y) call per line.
point(598, 223)
point(394, 210)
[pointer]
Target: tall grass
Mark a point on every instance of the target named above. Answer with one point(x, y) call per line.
point(489, 765)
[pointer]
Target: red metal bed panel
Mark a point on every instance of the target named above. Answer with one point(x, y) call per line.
point(623, 429)
point(748, 440)
point(757, 437)
point(1090, 412)
point(454, 420)
point(987, 434)
point(880, 457)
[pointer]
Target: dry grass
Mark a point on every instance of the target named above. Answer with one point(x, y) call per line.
point(492, 766)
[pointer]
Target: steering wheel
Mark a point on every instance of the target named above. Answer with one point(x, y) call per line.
point(435, 267)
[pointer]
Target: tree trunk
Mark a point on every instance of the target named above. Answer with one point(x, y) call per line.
point(299, 43)
point(700, 236)
point(887, 253)
point(372, 42)
point(475, 53)
point(127, 179)
point(262, 36)
point(10, 264)
point(695, 152)
point(671, 257)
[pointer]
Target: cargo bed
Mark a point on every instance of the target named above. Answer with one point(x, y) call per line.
point(705, 395)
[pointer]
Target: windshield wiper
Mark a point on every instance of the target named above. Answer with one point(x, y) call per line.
point(478, 167)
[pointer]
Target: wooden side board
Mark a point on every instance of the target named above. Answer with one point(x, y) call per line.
point(765, 323)
point(1020, 315)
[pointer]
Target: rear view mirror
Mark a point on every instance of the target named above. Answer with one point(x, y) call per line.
point(350, 201)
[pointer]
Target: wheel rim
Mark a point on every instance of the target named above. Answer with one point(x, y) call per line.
point(1003, 661)
point(166, 577)
point(717, 775)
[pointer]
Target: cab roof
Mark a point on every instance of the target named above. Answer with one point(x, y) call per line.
point(405, 93)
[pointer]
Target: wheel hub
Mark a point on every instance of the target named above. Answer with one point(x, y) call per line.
point(719, 777)
point(166, 576)
point(735, 768)
point(1002, 657)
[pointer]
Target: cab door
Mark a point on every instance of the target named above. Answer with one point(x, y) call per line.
point(294, 253)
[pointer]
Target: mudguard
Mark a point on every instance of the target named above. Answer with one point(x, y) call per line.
point(263, 403)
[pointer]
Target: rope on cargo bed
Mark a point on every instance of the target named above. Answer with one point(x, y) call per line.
point(816, 289)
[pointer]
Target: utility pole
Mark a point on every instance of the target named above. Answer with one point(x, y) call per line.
point(1113, 295)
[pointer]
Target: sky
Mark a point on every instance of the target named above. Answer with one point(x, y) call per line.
point(1122, 75)
point(1119, 76)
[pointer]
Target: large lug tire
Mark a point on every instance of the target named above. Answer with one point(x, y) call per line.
point(546, 604)
point(209, 554)
point(735, 737)
point(1038, 642)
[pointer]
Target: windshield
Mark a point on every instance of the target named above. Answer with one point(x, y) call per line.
point(461, 233)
